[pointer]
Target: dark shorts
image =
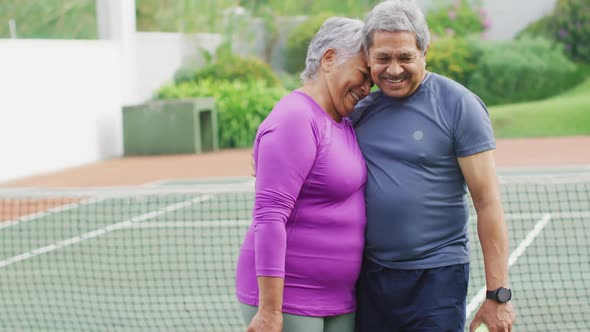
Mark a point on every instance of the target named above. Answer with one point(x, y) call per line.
point(394, 300)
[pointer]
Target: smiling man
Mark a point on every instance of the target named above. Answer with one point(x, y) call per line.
point(426, 140)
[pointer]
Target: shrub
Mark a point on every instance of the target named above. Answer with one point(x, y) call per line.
point(290, 81)
point(460, 19)
point(542, 27)
point(241, 105)
point(298, 41)
point(572, 28)
point(452, 57)
point(522, 70)
point(569, 25)
point(231, 68)
point(185, 73)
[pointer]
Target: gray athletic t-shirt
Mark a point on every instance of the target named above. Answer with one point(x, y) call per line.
point(417, 209)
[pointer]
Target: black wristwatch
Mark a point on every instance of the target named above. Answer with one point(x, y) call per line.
point(500, 295)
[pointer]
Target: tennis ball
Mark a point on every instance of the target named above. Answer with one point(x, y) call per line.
point(482, 328)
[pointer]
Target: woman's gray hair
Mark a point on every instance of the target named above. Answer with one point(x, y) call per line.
point(344, 35)
point(397, 16)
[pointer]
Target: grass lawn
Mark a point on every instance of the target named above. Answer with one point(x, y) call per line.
point(565, 115)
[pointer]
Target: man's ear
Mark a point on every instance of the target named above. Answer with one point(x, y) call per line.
point(425, 54)
point(328, 59)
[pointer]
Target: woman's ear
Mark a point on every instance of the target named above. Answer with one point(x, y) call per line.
point(328, 59)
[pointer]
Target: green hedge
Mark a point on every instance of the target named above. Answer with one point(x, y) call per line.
point(298, 41)
point(542, 27)
point(563, 115)
point(241, 105)
point(231, 68)
point(453, 57)
point(568, 25)
point(523, 70)
point(572, 24)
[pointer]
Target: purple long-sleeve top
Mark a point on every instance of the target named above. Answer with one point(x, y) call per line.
point(309, 211)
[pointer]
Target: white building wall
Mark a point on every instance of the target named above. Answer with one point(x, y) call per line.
point(160, 55)
point(60, 105)
point(509, 17)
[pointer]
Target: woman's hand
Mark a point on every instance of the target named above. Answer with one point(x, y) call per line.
point(266, 321)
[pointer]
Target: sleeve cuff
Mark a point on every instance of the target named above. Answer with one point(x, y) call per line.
point(278, 273)
point(478, 149)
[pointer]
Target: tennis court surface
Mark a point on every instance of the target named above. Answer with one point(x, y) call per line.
point(161, 258)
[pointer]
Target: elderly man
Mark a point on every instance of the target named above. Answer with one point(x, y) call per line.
point(425, 139)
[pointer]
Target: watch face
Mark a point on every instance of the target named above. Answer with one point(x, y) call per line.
point(504, 294)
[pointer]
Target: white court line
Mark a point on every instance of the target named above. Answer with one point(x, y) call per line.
point(57, 209)
point(556, 215)
point(101, 231)
point(481, 295)
point(45, 213)
point(192, 224)
point(247, 222)
point(38, 215)
point(566, 169)
point(186, 182)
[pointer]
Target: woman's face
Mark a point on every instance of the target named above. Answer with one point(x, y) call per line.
point(348, 82)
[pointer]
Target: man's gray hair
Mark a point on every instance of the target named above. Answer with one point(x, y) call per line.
point(397, 16)
point(344, 35)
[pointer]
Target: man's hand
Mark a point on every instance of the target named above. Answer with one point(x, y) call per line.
point(266, 321)
point(499, 317)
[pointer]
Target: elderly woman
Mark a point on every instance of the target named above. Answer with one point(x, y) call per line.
point(301, 257)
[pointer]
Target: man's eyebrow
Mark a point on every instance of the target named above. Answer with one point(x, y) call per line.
point(407, 54)
point(382, 54)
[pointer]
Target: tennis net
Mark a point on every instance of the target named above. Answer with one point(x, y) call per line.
point(163, 258)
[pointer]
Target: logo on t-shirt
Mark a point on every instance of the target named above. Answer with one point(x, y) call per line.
point(418, 135)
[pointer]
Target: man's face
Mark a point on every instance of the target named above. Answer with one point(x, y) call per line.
point(397, 65)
